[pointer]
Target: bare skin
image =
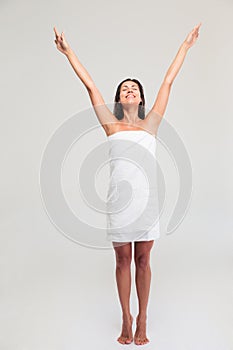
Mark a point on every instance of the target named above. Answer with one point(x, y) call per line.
point(143, 277)
point(130, 99)
point(123, 276)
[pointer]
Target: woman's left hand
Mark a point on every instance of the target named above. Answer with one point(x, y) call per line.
point(192, 36)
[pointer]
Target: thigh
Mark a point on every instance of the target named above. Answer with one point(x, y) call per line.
point(123, 249)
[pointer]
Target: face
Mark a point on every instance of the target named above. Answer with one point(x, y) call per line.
point(130, 92)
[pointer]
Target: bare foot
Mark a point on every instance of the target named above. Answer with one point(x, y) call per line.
point(126, 336)
point(140, 337)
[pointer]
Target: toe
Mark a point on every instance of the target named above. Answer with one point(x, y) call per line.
point(124, 340)
point(128, 341)
point(120, 340)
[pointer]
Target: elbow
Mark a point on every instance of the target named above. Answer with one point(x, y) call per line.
point(168, 81)
point(91, 87)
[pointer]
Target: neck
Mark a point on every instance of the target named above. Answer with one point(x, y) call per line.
point(130, 114)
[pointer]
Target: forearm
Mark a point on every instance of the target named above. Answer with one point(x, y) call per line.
point(176, 64)
point(79, 69)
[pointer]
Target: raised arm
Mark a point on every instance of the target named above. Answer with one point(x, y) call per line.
point(159, 107)
point(103, 114)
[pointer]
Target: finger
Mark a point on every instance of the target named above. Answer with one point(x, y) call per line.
point(56, 32)
point(195, 31)
point(198, 26)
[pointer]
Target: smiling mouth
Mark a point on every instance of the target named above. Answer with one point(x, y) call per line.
point(130, 95)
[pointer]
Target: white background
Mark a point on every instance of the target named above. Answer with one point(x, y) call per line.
point(56, 294)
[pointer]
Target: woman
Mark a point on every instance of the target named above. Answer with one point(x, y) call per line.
point(128, 116)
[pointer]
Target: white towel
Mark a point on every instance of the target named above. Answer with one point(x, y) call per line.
point(132, 202)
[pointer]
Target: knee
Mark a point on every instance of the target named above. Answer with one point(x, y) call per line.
point(142, 262)
point(123, 261)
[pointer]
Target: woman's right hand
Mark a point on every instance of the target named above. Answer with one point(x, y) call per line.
point(61, 42)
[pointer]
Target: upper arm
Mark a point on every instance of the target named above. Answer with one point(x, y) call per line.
point(103, 113)
point(161, 101)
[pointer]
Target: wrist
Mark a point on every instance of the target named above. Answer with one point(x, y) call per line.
point(69, 52)
point(185, 45)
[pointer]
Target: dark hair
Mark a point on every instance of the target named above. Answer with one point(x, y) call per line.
point(118, 110)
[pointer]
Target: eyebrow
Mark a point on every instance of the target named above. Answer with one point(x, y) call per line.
point(127, 85)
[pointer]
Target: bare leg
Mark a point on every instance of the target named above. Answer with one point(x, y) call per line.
point(123, 276)
point(143, 279)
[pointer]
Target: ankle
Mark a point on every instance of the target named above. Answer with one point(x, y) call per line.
point(126, 316)
point(142, 316)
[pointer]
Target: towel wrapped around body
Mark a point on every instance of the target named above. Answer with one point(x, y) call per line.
point(132, 201)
